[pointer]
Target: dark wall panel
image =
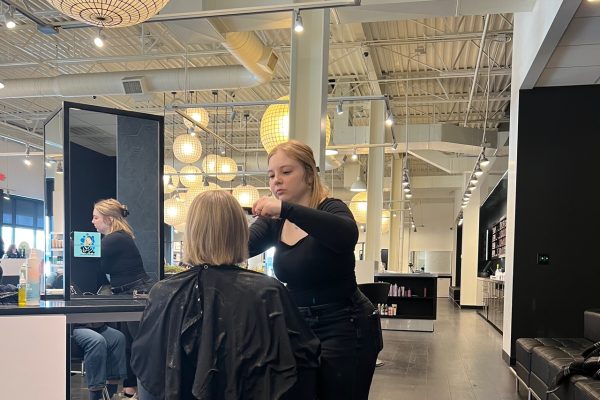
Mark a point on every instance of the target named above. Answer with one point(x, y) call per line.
point(140, 175)
point(92, 177)
point(555, 213)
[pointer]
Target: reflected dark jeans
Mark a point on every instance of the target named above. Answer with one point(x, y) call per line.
point(351, 338)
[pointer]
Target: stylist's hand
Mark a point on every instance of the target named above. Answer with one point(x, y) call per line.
point(268, 207)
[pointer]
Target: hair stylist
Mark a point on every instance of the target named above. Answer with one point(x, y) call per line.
point(121, 260)
point(314, 237)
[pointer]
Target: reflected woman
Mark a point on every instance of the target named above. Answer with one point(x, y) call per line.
point(122, 262)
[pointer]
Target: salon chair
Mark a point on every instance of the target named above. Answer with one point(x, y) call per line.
point(377, 293)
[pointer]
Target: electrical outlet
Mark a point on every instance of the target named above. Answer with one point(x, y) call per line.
point(543, 259)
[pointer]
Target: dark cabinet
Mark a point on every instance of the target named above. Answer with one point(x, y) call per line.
point(420, 304)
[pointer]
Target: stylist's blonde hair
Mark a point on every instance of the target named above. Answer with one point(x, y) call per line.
point(116, 212)
point(216, 231)
point(304, 155)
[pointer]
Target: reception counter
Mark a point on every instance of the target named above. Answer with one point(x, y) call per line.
point(35, 340)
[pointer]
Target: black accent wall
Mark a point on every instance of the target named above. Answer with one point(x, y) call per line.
point(490, 213)
point(92, 177)
point(140, 175)
point(555, 212)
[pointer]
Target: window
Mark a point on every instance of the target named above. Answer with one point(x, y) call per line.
point(23, 221)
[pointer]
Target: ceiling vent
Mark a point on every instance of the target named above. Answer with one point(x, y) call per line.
point(134, 85)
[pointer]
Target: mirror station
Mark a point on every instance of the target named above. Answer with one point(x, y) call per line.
point(91, 154)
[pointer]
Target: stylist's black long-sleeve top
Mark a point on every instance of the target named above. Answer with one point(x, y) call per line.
point(320, 267)
point(121, 259)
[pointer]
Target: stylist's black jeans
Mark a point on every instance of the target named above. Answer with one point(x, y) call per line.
point(350, 335)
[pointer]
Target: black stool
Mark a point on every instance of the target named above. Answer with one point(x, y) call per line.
point(377, 293)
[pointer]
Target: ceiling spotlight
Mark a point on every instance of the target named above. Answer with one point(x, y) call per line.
point(478, 171)
point(9, 18)
point(191, 131)
point(339, 108)
point(394, 145)
point(99, 39)
point(408, 195)
point(331, 152)
point(6, 195)
point(474, 180)
point(483, 161)
point(460, 221)
point(298, 27)
point(389, 119)
point(27, 161)
point(354, 156)
point(1, 85)
point(59, 168)
point(406, 188)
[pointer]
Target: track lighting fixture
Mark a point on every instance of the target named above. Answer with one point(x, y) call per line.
point(6, 195)
point(473, 180)
point(298, 27)
point(478, 171)
point(27, 161)
point(339, 108)
point(483, 161)
point(389, 119)
point(9, 18)
point(99, 39)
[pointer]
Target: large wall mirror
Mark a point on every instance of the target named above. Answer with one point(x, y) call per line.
point(435, 262)
point(107, 154)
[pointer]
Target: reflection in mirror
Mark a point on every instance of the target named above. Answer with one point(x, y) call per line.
point(112, 155)
point(435, 262)
point(92, 176)
point(54, 205)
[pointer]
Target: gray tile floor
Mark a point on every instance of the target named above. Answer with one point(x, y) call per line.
point(460, 360)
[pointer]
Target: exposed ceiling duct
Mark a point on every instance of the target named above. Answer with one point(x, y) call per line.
point(258, 63)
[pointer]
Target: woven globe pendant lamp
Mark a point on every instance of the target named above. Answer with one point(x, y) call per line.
point(190, 176)
point(187, 148)
point(196, 190)
point(209, 163)
point(358, 206)
point(200, 115)
point(275, 126)
point(109, 13)
point(246, 195)
point(226, 169)
point(175, 212)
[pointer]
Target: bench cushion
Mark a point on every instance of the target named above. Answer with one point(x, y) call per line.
point(587, 389)
point(591, 325)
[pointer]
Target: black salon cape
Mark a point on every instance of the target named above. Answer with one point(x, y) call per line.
point(221, 332)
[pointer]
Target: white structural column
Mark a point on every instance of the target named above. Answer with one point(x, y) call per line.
point(396, 205)
point(375, 182)
point(308, 93)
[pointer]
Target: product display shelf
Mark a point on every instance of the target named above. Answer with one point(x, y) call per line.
point(422, 304)
point(499, 239)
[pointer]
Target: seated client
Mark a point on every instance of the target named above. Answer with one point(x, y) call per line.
point(218, 331)
point(103, 356)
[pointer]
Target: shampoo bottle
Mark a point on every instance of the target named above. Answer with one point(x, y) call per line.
point(34, 277)
point(22, 285)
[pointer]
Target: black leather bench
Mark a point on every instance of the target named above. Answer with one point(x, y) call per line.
point(538, 361)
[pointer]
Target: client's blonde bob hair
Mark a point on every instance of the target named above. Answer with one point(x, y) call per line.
point(216, 230)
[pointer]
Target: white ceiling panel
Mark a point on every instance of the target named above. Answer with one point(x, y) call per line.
point(575, 56)
point(569, 76)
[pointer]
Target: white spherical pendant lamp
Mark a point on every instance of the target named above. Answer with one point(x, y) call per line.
point(246, 195)
point(358, 206)
point(175, 212)
point(190, 176)
point(187, 148)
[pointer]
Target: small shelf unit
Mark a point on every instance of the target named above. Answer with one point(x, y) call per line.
point(423, 301)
